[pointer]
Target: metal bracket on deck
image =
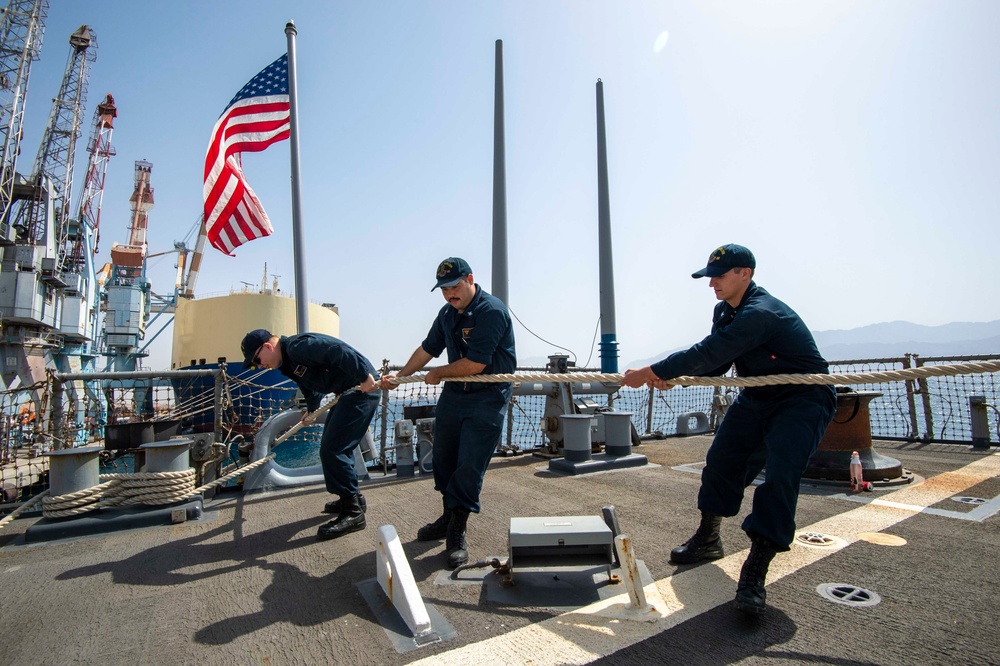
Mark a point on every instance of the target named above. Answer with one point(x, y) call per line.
point(273, 475)
point(394, 575)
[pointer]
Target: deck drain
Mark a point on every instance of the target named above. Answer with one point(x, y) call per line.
point(849, 595)
point(817, 540)
point(970, 500)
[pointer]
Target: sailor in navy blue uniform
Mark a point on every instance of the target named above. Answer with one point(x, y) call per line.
point(321, 364)
point(475, 328)
point(772, 427)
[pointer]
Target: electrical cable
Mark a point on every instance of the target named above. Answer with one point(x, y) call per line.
point(540, 337)
point(494, 562)
point(593, 343)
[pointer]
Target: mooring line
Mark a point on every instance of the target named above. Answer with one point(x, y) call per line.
point(923, 372)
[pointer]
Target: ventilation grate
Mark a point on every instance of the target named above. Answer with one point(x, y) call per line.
point(817, 540)
point(970, 500)
point(847, 594)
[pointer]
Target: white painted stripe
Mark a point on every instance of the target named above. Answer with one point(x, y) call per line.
point(984, 511)
point(581, 636)
point(979, 514)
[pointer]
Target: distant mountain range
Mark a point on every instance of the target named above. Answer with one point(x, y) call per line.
point(896, 338)
point(892, 339)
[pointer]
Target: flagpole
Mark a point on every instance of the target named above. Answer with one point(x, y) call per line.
point(301, 298)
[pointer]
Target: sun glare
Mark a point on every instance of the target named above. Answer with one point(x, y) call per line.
point(661, 41)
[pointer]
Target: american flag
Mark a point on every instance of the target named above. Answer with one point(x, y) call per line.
point(255, 118)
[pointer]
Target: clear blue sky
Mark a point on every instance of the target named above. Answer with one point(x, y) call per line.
point(853, 146)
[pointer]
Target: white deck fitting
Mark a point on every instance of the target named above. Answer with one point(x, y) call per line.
point(394, 575)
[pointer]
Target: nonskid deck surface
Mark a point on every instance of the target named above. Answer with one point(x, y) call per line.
point(250, 584)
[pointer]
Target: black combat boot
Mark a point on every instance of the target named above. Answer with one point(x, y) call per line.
point(706, 544)
point(351, 519)
point(455, 545)
point(750, 593)
point(439, 528)
point(334, 506)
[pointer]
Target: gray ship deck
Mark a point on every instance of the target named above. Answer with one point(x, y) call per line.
point(249, 583)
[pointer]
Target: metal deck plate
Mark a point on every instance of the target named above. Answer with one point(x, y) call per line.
point(395, 628)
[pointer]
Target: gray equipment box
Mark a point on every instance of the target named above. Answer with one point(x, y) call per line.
point(562, 542)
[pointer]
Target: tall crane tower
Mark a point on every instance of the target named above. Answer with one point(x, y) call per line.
point(101, 150)
point(51, 185)
point(34, 279)
point(22, 25)
point(127, 291)
point(81, 234)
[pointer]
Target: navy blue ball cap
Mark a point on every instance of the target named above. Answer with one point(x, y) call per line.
point(725, 258)
point(451, 271)
point(252, 342)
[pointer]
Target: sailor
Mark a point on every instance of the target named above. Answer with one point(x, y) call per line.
point(321, 364)
point(777, 427)
point(476, 329)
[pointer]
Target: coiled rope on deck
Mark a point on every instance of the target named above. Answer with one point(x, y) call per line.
point(153, 488)
point(149, 488)
point(75, 503)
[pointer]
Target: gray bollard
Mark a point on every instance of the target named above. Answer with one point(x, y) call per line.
point(171, 455)
point(404, 459)
point(73, 470)
point(576, 436)
point(980, 421)
point(617, 433)
point(404, 447)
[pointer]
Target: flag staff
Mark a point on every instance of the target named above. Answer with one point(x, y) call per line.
point(301, 298)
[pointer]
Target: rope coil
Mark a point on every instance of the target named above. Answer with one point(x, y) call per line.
point(150, 488)
point(75, 503)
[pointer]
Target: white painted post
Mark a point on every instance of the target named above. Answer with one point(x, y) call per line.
point(626, 555)
point(394, 575)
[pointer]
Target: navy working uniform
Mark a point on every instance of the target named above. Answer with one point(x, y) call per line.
point(469, 415)
point(321, 364)
point(777, 427)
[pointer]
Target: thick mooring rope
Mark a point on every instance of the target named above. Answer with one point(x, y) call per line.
point(152, 488)
point(236, 472)
point(298, 426)
point(76, 503)
point(949, 370)
point(24, 507)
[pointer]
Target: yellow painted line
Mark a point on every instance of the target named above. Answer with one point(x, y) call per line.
point(591, 632)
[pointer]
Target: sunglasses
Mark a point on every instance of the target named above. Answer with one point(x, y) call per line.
point(256, 357)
